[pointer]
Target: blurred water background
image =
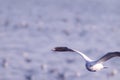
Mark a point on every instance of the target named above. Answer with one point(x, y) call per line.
point(29, 29)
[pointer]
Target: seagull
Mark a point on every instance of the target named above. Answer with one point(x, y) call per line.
point(91, 65)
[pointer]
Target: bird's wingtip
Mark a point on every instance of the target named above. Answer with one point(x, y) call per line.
point(61, 49)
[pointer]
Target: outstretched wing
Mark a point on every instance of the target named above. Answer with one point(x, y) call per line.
point(108, 56)
point(65, 49)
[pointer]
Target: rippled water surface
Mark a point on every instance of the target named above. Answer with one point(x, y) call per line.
point(29, 29)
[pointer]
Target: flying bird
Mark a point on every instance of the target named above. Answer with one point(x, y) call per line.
point(91, 65)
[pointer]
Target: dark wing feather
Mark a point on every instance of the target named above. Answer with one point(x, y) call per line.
point(108, 56)
point(62, 49)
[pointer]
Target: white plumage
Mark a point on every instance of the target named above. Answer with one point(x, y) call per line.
point(91, 65)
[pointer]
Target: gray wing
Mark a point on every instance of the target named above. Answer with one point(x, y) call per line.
point(108, 56)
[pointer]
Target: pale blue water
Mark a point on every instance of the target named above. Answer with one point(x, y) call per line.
point(29, 29)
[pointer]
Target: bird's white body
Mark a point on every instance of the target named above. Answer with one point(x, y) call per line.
point(97, 67)
point(91, 65)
